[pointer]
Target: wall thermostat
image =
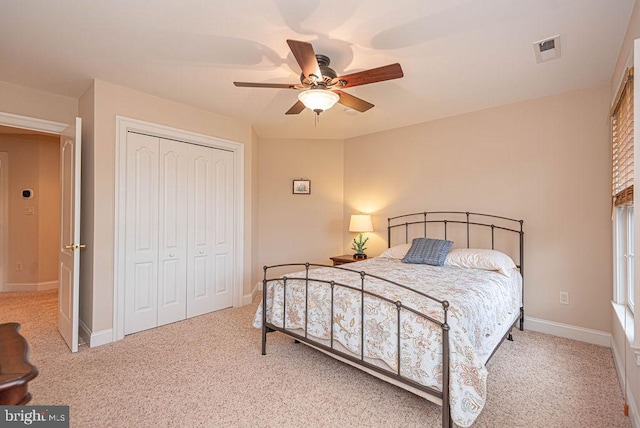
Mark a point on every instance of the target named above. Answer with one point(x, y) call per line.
point(27, 193)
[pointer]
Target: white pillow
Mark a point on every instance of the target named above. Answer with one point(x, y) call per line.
point(396, 252)
point(480, 258)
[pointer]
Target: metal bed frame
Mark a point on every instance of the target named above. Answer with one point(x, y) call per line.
point(409, 222)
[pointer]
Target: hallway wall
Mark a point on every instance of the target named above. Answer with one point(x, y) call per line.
point(33, 238)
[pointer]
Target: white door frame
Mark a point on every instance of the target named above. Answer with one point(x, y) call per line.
point(124, 125)
point(32, 124)
point(24, 122)
point(4, 219)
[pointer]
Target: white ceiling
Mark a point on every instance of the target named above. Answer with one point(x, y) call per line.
point(457, 55)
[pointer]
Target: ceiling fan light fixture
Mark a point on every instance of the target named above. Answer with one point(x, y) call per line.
point(318, 100)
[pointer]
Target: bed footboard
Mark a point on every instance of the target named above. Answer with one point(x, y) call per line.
point(301, 334)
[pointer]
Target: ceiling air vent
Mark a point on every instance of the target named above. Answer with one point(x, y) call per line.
point(547, 49)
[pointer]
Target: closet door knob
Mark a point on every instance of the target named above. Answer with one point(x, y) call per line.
point(170, 255)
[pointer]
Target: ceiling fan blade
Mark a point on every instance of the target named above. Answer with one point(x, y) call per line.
point(380, 74)
point(296, 108)
point(353, 102)
point(306, 57)
point(268, 85)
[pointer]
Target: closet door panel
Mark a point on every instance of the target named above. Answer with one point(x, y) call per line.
point(200, 277)
point(141, 233)
point(200, 235)
point(224, 248)
point(172, 212)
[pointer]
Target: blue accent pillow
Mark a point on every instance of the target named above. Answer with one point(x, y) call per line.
point(428, 251)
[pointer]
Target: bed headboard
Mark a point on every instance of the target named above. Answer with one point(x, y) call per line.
point(466, 229)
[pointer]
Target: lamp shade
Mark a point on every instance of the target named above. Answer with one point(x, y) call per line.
point(318, 100)
point(360, 223)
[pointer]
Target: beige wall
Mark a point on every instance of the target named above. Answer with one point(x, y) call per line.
point(33, 239)
point(256, 268)
point(49, 218)
point(37, 104)
point(300, 228)
point(86, 110)
point(545, 161)
point(626, 50)
point(110, 100)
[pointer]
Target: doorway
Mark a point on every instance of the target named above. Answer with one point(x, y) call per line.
point(29, 210)
point(34, 200)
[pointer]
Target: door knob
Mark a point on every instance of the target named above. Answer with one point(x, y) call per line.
point(74, 246)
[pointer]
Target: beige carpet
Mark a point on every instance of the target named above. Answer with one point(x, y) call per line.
point(208, 372)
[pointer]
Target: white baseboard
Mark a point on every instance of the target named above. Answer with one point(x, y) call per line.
point(95, 339)
point(634, 412)
point(569, 331)
point(257, 290)
point(247, 299)
point(630, 371)
point(84, 332)
point(101, 338)
point(31, 286)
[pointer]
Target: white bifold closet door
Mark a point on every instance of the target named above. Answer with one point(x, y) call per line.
point(179, 231)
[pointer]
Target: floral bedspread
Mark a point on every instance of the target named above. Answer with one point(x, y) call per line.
point(483, 305)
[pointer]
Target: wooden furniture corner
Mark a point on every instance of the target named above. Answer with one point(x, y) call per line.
point(15, 370)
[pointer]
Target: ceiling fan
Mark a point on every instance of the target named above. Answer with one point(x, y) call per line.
point(321, 86)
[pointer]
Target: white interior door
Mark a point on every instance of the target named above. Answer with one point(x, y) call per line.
point(200, 252)
point(210, 231)
point(141, 233)
point(69, 276)
point(172, 277)
point(224, 248)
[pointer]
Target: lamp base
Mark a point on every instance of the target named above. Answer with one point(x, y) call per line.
point(359, 256)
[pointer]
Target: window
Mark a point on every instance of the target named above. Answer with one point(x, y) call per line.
point(630, 271)
point(624, 256)
point(622, 190)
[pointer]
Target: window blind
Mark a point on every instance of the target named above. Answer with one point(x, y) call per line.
point(622, 143)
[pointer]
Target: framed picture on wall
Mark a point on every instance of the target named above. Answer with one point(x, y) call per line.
point(301, 187)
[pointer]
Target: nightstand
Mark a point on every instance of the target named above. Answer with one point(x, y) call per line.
point(344, 259)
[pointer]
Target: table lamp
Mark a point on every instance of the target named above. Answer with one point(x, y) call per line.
point(360, 223)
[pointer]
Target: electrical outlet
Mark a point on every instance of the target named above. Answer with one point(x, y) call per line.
point(19, 266)
point(564, 297)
